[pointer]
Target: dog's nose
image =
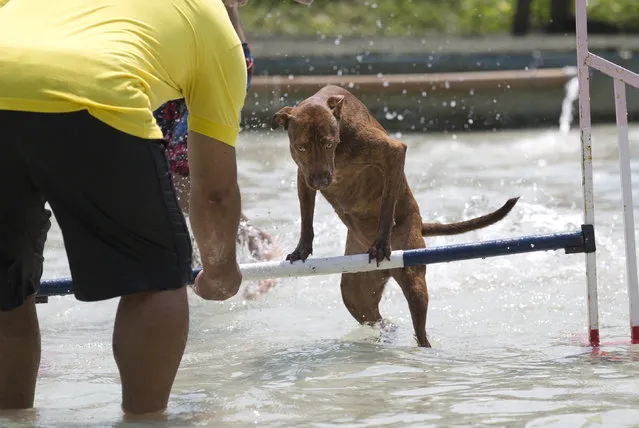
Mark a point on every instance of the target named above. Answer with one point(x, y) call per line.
point(321, 180)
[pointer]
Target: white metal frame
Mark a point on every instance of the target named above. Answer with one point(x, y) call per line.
point(622, 77)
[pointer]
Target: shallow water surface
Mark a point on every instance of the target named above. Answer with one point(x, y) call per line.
point(506, 332)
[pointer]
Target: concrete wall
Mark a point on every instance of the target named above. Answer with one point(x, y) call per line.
point(442, 108)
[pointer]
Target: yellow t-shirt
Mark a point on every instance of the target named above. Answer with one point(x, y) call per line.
point(122, 59)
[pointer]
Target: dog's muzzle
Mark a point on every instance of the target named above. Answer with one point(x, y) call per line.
point(320, 180)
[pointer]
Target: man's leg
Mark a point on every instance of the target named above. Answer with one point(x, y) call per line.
point(24, 224)
point(125, 237)
point(19, 356)
point(148, 348)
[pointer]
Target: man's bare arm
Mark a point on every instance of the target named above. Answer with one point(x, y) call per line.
point(215, 203)
point(235, 2)
point(234, 15)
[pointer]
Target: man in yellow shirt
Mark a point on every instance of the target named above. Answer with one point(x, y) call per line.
point(79, 81)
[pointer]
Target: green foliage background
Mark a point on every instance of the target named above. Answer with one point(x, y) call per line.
point(412, 17)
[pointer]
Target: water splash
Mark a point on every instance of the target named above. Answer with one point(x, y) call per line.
point(572, 93)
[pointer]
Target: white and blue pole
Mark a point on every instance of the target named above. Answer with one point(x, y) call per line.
point(572, 242)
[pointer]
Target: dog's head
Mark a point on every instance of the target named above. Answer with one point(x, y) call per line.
point(313, 133)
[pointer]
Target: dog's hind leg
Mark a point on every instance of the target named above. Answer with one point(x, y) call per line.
point(412, 280)
point(362, 291)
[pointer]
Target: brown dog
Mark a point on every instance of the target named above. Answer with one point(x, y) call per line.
point(343, 152)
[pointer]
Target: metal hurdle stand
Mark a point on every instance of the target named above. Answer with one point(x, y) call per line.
point(621, 76)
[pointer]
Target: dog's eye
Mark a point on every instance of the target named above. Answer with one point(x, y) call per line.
point(301, 148)
point(329, 145)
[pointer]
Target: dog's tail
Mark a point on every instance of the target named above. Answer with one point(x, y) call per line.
point(439, 229)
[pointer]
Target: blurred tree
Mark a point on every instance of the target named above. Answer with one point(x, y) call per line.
point(424, 17)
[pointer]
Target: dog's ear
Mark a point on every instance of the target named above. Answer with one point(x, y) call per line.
point(281, 118)
point(335, 103)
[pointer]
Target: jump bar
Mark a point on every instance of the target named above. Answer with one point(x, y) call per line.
point(572, 242)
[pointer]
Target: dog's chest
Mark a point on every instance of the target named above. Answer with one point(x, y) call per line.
point(355, 192)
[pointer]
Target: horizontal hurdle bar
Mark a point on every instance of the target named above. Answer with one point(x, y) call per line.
point(613, 70)
point(572, 242)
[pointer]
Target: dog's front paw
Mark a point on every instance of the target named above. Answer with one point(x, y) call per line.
point(300, 253)
point(379, 251)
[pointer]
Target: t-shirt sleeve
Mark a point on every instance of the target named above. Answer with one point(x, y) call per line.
point(216, 91)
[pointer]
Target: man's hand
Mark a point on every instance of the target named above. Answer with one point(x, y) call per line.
point(219, 283)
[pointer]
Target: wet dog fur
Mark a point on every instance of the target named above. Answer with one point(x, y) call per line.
point(345, 154)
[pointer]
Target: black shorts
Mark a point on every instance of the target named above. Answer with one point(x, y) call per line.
point(112, 196)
